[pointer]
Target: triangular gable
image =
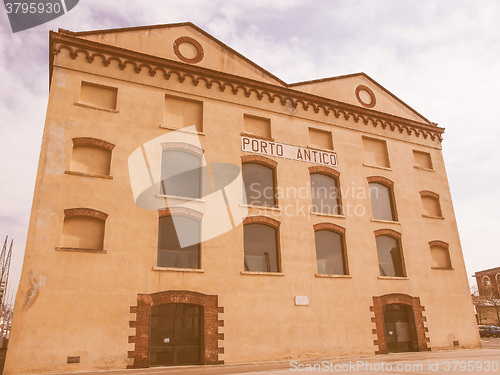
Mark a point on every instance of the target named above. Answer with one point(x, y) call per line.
point(159, 41)
point(360, 90)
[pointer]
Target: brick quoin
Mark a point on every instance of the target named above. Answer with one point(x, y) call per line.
point(417, 323)
point(211, 309)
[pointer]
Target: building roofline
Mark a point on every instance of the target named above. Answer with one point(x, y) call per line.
point(486, 272)
point(287, 96)
point(171, 25)
point(360, 74)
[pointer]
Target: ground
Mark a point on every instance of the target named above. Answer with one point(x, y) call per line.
point(468, 361)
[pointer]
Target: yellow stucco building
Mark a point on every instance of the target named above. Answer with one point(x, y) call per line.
point(192, 208)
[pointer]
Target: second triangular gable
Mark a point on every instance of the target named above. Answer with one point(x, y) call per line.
point(360, 90)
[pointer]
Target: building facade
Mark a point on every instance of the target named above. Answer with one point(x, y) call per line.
point(487, 302)
point(192, 208)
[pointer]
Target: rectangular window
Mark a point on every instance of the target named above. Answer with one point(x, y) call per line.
point(98, 95)
point(390, 257)
point(320, 139)
point(181, 113)
point(257, 126)
point(178, 242)
point(330, 255)
point(261, 248)
point(422, 160)
point(382, 202)
point(375, 153)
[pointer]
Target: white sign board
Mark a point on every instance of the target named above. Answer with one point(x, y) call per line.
point(301, 300)
point(282, 150)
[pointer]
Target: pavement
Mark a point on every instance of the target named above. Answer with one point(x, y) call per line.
point(461, 361)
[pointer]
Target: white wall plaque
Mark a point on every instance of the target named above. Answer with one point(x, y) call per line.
point(282, 150)
point(301, 300)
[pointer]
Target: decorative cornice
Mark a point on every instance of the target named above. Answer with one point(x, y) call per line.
point(212, 78)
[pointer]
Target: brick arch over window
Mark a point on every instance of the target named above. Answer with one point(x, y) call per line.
point(262, 220)
point(211, 322)
point(87, 141)
point(418, 321)
point(431, 194)
point(387, 232)
point(329, 226)
point(381, 180)
point(259, 159)
point(181, 211)
point(182, 146)
point(324, 170)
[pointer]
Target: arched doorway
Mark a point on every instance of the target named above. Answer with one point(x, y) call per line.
point(399, 324)
point(175, 334)
point(189, 321)
point(399, 328)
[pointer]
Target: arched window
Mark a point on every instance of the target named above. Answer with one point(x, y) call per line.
point(181, 171)
point(430, 204)
point(330, 249)
point(390, 255)
point(382, 198)
point(486, 282)
point(325, 191)
point(259, 181)
point(83, 229)
point(91, 156)
point(440, 255)
point(178, 240)
point(261, 245)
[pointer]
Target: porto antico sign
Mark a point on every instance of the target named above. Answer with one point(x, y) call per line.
point(282, 150)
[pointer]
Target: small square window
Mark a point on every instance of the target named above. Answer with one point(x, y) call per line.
point(98, 95)
point(181, 113)
point(422, 160)
point(257, 126)
point(375, 152)
point(320, 139)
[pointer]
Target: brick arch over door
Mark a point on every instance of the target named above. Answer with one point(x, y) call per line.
point(211, 309)
point(419, 320)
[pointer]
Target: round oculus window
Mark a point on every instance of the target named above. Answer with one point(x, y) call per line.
point(188, 50)
point(365, 96)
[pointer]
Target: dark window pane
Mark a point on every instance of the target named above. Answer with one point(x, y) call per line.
point(325, 194)
point(259, 184)
point(382, 205)
point(261, 253)
point(180, 174)
point(389, 257)
point(170, 252)
point(330, 253)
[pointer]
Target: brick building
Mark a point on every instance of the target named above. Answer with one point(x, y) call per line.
point(192, 208)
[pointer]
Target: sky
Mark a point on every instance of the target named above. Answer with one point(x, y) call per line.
point(440, 57)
